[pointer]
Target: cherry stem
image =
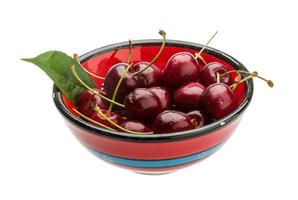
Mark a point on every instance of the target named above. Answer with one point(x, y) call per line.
point(163, 34)
point(218, 77)
point(97, 110)
point(124, 73)
point(198, 54)
point(73, 70)
point(235, 85)
point(236, 80)
point(251, 75)
point(239, 71)
point(92, 121)
point(76, 57)
point(201, 58)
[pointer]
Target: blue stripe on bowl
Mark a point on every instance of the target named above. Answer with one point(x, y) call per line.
point(156, 163)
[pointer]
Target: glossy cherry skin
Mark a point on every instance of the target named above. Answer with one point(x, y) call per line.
point(152, 76)
point(112, 77)
point(218, 100)
point(188, 96)
point(164, 96)
point(136, 126)
point(197, 117)
point(208, 75)
point(88, 101)
point(171, 121)
point(113, 116)
point(181, 68)
point(142, 104)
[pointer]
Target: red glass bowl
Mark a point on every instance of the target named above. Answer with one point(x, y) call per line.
point(156, 153)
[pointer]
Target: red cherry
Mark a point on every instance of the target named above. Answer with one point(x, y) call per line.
point(152, 76)
point(88, 100)
point(188, 96)
point(171, 121)
point(208, 75)
point(142, 104)
point(197, 117)
point(181, 68)
point(218, 100)
point(113, 116)
point(128, 84)
point(136, 126)
point(164, 96)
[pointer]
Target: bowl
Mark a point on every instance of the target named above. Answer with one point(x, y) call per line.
point(154, 153)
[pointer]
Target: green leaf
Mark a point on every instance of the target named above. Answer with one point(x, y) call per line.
point(57, 65)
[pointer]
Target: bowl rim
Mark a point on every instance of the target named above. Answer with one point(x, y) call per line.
point(207, 129)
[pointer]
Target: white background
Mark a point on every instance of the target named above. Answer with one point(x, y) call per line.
point(39, 157)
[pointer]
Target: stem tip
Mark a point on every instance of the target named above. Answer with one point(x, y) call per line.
point(162, 32)
point(270, 83)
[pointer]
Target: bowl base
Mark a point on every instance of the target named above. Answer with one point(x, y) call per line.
point(153, 173)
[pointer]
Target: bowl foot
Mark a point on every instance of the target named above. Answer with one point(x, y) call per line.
point(153, 173)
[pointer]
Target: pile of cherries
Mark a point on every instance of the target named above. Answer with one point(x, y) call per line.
point(142, 99)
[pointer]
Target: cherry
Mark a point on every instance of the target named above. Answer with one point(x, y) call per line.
point(135, 126)
point(197, 117)
point(142, 104)
point(150, 77)
point(188, 96)
point(181, 68)
point(164, 96)
point(97, 116)
point(171, 121)
point(88, 100)
point(218, 100)
point(208, 75)
point(128, 84)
